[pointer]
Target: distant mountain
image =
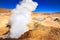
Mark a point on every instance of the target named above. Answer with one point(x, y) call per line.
point(8, 10)
point(3, 10)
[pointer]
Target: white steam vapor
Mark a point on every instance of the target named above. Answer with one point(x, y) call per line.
point(21, 15)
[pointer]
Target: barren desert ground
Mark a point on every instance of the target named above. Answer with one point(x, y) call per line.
point(43, 26)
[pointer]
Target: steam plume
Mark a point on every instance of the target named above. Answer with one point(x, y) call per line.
point(21, 15)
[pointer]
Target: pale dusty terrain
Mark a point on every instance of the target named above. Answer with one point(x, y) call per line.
point(47, 29)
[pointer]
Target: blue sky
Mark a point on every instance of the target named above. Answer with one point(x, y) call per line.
point(43, 5)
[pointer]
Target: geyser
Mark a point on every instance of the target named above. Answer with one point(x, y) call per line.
point(20, 16)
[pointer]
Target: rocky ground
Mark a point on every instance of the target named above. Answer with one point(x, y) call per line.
point(48, 29)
